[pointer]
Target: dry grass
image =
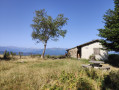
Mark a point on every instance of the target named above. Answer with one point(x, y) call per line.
point(36, 74)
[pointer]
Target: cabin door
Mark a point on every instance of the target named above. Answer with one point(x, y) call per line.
point(79, 53)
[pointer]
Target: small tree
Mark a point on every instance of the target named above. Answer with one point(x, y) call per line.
point(12, 54)
point(46, 28)
point(110, 33)
point(6, 55)
point(20, 54)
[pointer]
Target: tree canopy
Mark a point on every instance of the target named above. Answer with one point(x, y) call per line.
point(110, 33)
point(46, 28)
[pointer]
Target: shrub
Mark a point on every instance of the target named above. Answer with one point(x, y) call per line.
point(92, 57)
point(47, 56)
point(61, 56)
point(92, 73)
point(113, 59)
point(64, 77)
point(52, 57)
point(39, 55)
point(6, 55)
point(79, 83)
point(84, 84)
point(111, 81)
point(55, 57)
point(12, 54)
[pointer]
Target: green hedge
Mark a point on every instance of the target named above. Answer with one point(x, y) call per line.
point(113, 59)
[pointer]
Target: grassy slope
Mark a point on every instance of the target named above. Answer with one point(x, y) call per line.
point(34, 74)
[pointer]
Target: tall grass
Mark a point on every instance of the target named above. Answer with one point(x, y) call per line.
point(63, 74)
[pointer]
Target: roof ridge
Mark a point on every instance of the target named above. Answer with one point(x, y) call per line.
point(96, 40)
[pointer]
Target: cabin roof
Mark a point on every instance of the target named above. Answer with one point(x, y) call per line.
point(93, 41)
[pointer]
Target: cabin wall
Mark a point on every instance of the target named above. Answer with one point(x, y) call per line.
point(73, 52)
point(88, 50)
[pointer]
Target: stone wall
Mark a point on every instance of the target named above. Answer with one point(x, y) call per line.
point(73, 52)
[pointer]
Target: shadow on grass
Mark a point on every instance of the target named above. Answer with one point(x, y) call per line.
point(5, 59)
point(111, 81)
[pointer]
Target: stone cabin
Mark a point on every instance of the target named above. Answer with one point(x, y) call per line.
point(92, 48)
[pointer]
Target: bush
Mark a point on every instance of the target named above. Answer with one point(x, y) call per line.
point(61, 56)
point(79, 83)
point(12, 54)
point(113, 59)
point(92, 57)
point(111, 81)
point(84, 84)
point(47, 56)
point(6, 55)
point(92, 73)
point(55, 57)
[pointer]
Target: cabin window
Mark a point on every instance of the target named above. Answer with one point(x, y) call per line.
point(96, 51)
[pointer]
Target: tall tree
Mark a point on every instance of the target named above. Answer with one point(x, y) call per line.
point(110, 33)
point(46, 28)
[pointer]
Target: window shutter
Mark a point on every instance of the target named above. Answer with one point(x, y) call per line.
point(96, 51)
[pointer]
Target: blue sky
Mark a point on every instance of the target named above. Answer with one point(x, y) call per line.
point(85, 17)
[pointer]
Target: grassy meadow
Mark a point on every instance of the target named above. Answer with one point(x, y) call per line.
point(60, 74)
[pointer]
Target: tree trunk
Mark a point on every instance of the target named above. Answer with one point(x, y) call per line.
point(42, 56)
point(20, 56)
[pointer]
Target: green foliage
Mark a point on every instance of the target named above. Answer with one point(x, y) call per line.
point(72, 80)
point(61, 56)
point(92, 57)
point(84, 84)
point(66, 77)
point(69, 81)
point(6, 55)
point(113, 59)
point(54, 87)
point(111, 81)
point(92, 73)
point(13, 54)
point(20, 53)
point(47, 56)
point(46, 28)
point(55, 57)
point(110, 33)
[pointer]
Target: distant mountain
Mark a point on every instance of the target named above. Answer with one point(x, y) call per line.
point(28, 51)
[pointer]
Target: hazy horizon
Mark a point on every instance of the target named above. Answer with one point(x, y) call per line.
point(32, 47)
